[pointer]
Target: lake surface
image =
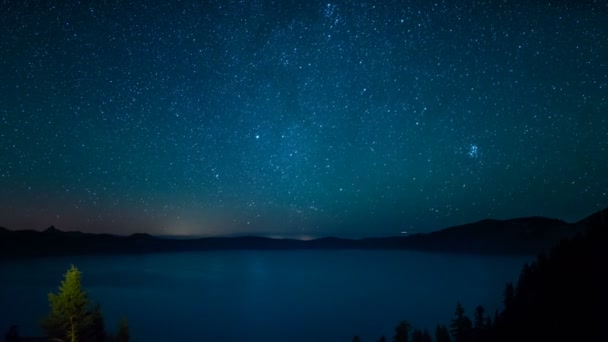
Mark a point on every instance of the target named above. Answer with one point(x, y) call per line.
point(263, 295)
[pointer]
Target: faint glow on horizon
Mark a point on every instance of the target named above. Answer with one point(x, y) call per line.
point(292, 237)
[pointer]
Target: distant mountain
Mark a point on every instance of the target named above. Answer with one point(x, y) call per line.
point(52, 230)
point(529, 235)
point(598, 219)
point(561, 296)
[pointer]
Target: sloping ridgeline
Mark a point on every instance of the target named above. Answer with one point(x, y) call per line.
point(516, 236)
point(563, 295)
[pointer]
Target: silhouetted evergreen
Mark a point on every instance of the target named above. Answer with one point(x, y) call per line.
point(442, 334)
point(561, 296)
point(426, 336)
point(488, 323)
point(356, 339)
point(96, 331)
point(461, 327)
point(382, 339)
point(421, 336)
point(508, 295)
point(479, 318)
point(417, 335)
point(12, 334)
point(123, 334)
point(402, 332)
point(481, 324)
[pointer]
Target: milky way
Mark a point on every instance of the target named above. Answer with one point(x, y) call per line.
point(300, 119)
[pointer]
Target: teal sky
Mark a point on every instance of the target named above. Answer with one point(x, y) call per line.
point(300, 119)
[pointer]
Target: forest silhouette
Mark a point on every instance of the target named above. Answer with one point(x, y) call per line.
point(561, 296)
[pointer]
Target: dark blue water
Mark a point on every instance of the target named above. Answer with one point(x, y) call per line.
point(263, 295)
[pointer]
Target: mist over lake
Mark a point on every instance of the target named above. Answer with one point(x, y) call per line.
point(263, 295)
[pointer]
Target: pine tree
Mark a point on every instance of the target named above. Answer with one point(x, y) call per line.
point(488, 322)
point(123, 334)
point(426, 336)
point(382, 339)
point(73, 319)
point(402, 332)
point(96, 331)
point(421, 336)
point(68, 318)
point(442, 334)
point(481, 324)
point(12, 334)
point(479, 318)
point(461, 327)
point(417, 335)
point(356, 339)
point(509, 295)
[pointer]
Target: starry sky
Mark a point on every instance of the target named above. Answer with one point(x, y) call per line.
point(300, 118)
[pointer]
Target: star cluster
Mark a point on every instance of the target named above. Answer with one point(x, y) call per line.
point(287, 118)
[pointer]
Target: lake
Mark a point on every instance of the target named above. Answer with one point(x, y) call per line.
point(263, 295)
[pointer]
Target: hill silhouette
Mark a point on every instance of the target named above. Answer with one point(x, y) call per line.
point(529, 235)
point(560, 296)
point(515, 236)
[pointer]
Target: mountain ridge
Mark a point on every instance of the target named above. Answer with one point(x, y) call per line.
point(524, 235)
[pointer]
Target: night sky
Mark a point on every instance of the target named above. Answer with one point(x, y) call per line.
point(300, 119)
